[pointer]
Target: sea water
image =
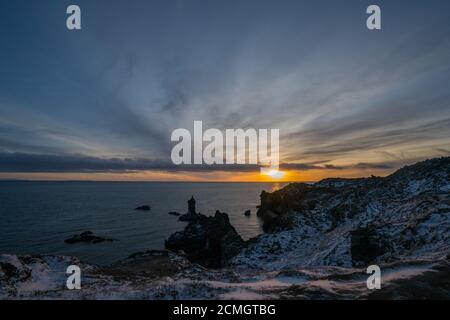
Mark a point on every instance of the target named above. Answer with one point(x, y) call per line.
point(36, 217)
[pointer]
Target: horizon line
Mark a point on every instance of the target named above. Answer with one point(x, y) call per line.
point(151, 181)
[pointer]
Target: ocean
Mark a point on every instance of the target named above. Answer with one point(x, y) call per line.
point(36, 217)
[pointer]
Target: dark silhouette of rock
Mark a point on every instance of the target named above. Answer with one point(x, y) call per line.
point(276, 208)
point(191, 205)
point(151, 264)
point(247, 213)
point(143, 208)
point(366, 246)
point(87, 237)
point(174, 213)
point(191, 215)
point(208, 241)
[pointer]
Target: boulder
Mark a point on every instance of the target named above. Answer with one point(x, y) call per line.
point(208, 241)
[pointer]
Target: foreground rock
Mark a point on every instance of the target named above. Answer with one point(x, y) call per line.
point(156, 275)
point(44, 276)
point(209, 241)
point(87, 237)
point(151, 264)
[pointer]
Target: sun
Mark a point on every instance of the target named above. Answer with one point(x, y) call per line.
point(276, 174)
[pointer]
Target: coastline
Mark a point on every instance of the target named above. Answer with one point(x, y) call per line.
point(319, 240)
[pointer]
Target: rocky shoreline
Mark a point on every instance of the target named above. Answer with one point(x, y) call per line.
point(319, 238)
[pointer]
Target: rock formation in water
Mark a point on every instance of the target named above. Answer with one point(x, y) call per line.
point(143, 208)
point(191, 215)
point(209, 241)
point(87, 237)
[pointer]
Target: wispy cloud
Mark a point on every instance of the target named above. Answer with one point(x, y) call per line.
point(21, 162)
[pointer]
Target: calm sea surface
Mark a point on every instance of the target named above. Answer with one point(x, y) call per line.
point(36, 217)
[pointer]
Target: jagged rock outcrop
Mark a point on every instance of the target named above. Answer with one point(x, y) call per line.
point(209, 241)
point(354, 222)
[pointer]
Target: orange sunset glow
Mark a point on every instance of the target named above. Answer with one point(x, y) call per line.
point(212, 176)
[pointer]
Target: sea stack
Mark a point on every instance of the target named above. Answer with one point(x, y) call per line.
point(191, 215)
point(209, 241)
point(191, 205)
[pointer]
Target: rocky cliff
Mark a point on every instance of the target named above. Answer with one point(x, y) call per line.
point(355, 222)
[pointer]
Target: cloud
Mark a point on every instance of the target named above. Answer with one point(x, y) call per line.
point(334, 142)
point(22, 162)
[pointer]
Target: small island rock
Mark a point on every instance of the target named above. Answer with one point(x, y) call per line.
point(87, 237)
point(144, 208)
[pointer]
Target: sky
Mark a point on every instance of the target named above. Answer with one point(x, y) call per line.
point(101, 103)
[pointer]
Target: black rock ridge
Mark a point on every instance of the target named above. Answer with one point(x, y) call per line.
point(209, 241)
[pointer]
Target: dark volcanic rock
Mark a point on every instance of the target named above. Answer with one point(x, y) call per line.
point(143, 208)
point(88, 237)
point(190, 216)
point(209, 241)
point(174, 213)
point(366, 246)
point(247, 213)
point(276, 207)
